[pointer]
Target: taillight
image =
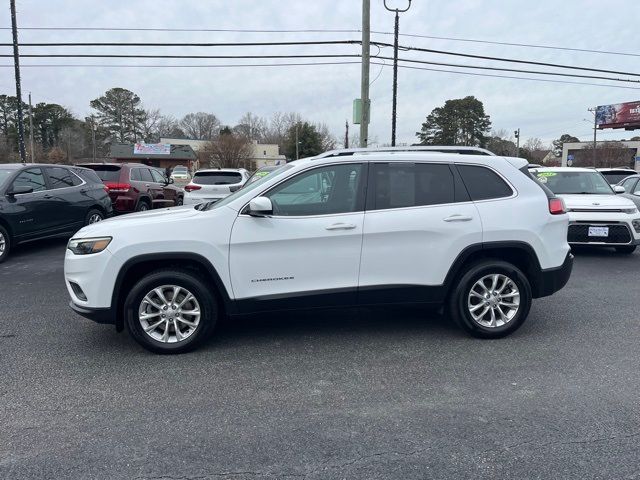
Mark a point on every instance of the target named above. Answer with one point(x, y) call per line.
point(191, 188)
point(106, 189)
point(234, 188)
point(556, 206)
point(117, 187)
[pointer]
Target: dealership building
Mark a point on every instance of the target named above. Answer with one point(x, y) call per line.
point(571, 151)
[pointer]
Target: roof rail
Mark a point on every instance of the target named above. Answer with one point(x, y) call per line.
point(430, 148)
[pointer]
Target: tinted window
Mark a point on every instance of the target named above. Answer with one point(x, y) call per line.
point(636, 189)
point(629, 183)
point(400, 185)
point(145, 174)
point(321, 191)
point(88, 175)
point(107, 173)
point(158, 177)
point(615, 176)
point(32, 178)
point(483, 183)
point(4, 174)
point(135, 175)
point(217, 178)
point(62, 178)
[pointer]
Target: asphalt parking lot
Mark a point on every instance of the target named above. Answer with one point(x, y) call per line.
point(370, 394)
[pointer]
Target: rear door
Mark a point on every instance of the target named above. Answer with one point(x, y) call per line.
point(66, 191)
point(168, 194)
point(418, 220)
point(148, 185)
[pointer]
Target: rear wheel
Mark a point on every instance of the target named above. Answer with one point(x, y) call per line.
point(5, 244)
point(142, 206)
point(491, 300)
point(93, 216)
point(626, 249)
point(179, 201)
point(170, 311)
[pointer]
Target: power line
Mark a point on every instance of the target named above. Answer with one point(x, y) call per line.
point(377, 32)
point(92, 55)
point(182, 44)
point(510, 60)
point(475, 74)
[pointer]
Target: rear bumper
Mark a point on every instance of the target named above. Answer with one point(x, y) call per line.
point(98, 315)
point(554, 279)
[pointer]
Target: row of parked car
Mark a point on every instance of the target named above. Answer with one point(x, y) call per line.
point(40, 201)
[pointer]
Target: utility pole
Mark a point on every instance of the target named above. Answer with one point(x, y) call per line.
point(517, 135)
point(16, 64)
point(297, 144)
point(346, 134)
point(93, 137)
point(31, 130)
point(595, 129)
point(133, 120)
point(364, 80)
point(395, 69)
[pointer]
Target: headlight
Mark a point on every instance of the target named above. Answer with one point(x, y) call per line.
point(86, 246)
point(630, 211)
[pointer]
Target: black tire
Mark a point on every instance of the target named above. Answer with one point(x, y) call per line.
point(94, 215)
point(179, 201)
point(5, 244)
point(628, 249)
point(186, 280)
point(142, 206)
point(458, 300)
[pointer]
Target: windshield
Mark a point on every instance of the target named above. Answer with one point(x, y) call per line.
point(591, 183)
point(179, 169)
point(217, 178)
point(259, 174)
point(248, 188)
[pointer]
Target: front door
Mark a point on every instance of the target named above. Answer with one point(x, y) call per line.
point(307, 254)
point(31, 214)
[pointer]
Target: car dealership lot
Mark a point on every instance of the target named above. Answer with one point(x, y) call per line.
point(379, 394)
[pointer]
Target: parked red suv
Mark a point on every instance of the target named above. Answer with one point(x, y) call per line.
point(134, 187)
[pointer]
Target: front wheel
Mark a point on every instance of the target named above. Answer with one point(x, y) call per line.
point(179, 201)
point(5, 244)
point(170, 311)
point(93, 216)
point(491, 300)
point(628, 249)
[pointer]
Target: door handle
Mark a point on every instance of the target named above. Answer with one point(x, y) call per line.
point(147, 185)
point(458, 218)
point(47, 196)
point(341, 226)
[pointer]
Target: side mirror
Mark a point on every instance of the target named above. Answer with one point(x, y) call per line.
point(260, 207)
point(19, 191)
point(619, 189)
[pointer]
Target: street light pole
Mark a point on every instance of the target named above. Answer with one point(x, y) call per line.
point(364, 78)
point(16, 64)
point(395, 69)
point(517, 135)
point(595, 127)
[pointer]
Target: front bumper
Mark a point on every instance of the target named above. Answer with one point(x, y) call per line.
point(98, 315)
point(554, 279)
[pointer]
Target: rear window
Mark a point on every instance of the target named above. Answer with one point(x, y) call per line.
point(483, 183)
point(616, 177)
point(217, 178)
point(107, 173)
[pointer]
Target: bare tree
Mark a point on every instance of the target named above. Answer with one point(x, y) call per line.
point(252, 127)
point(200, 126)
point(168, 126)
point(227, 151)
point(149, 125)
point(327, 140)
point(608, 154)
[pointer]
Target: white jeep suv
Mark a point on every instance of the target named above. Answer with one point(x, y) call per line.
point(475, 233)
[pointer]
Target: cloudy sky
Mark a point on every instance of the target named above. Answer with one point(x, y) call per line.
point(325, 93)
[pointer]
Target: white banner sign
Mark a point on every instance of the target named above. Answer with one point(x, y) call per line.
point(152, 149)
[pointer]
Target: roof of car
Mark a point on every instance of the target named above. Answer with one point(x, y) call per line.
point(235, 170)
point(15, 166)
point(620, 170)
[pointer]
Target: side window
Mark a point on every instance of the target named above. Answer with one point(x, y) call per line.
point(321, 191)
point(135, 175)
point(398, 185)
point(628, 184)
point(636, 188)
point(62, 178)
point(483, 183)
point(31, 178)
point(146, 175)
point(157, 176)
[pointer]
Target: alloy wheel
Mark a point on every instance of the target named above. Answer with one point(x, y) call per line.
point(96, 217)
point(169, 314)
point(494, 300)
point(3, 243)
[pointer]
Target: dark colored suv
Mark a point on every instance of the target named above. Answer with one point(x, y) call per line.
point(40, 201)
point(134, 187)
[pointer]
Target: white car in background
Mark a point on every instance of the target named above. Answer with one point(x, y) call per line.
point(616, 175)
point(597, 215)
point(180, 174)
point(210, 185)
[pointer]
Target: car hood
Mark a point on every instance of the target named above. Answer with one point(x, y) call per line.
point(596, 202)
point(137, 220)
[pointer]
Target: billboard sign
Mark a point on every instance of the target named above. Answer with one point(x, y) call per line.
point(620, 115)
point(152, 149)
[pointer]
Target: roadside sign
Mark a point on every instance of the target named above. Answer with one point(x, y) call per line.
point(570, 160)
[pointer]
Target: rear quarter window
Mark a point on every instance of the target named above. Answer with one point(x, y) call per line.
point(483, 183)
